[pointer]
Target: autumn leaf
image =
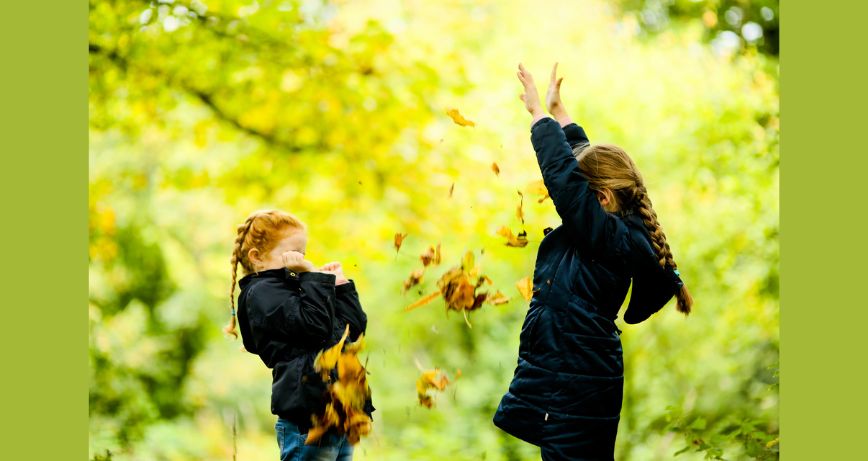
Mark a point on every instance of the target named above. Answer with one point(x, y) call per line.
point(430, 380)
point(345, 409)
point(451, 190)
point(423, 301)
point(512, 240)
point(328, 358)
point(415, 279)
point(431, 256)
point(495, 169)
point(525, 287)
point(538, 188)
point(497, 298)
point(458, 118)
point(519, 211)
point(399, 239)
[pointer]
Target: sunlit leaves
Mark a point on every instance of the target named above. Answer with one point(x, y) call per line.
point(519, 241)
point(525, 287)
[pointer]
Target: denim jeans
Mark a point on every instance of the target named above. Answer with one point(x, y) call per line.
point(330, 447)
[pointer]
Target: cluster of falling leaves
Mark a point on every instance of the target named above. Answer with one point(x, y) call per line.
point(345, 411)
point(460, 289)
point(430, 382)
point(460, 286)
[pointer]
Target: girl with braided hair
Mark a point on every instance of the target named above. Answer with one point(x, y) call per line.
point(566, 393)
point(289, 310)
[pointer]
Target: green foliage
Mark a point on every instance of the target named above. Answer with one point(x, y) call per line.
point(202, 112)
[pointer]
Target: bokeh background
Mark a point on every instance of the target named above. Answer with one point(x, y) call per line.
point(203, 111)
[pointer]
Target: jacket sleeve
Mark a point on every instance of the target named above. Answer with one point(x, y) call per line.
point(348, 310)
point(574, 201)
point(575, 135)
point(314, 319)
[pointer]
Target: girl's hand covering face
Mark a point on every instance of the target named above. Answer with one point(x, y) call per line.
point(294, 261)
point(530, 97)
point(337, 269)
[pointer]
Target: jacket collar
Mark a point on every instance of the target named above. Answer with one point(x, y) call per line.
point(280, 274)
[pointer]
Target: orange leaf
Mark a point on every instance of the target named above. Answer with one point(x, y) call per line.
point(430, 380)
point(399, 239)
point(519, 241)
point(458, 118)
point(497, 298)
point(423, 301)
point(415, 278)
point(538, 188)
point(495, 169)
point(525, 287)
point(519, 212)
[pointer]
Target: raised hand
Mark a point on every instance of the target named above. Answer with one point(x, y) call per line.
point(530, 97)
point(337, 269)
point(294, 261)
point(553, 96)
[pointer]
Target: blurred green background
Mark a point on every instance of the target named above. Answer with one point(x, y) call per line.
point(203, 111)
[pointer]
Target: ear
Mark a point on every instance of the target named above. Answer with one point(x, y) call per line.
point(603, 197)
point(253, 256)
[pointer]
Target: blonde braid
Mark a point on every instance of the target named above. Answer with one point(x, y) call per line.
point(658, 241)
point(237, 257)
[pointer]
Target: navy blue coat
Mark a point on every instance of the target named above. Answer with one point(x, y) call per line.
point(567, 389)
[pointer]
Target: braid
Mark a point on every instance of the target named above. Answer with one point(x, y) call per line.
point(658, 241)
point(237, 257)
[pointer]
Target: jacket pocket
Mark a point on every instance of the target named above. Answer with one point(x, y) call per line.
point(296, 390)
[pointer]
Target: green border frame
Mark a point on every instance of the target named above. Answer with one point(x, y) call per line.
point(823, 254)
point(44, 186)
point(43, 100)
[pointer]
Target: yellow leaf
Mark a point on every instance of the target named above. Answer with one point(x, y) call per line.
point(399, 240)
point(458, 118)
point(525, 287)
point(519, 241)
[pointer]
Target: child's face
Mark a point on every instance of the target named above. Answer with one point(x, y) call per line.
point(296, 241)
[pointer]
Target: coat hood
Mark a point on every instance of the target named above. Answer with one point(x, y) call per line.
point(653, 286)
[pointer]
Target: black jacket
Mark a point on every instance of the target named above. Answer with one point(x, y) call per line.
point(567, 389)
point(286, 319)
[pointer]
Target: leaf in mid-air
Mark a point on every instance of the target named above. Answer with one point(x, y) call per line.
point(430, 380)
point(495, 168)
point(525, 287)
point(431, 256)
point(519, 241)
point(414, 279)
point(538, 188)
point(458, 118)
point(519, 211)
point(497, 298)
point(399, 240)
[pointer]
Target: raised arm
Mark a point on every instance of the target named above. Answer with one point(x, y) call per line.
point(574, 201)
point(575, 134)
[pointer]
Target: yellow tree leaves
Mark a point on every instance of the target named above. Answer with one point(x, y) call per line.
point(458, 118)
point(539, 189)
point(428, 257)
point(495, 168)
point(344, 412)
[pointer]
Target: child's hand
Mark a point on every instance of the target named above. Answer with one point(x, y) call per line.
point(553, 95)
point(530, 97)
point(336, 269)
point(295, 262)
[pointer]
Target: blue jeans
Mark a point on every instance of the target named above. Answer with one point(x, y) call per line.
point(331, 447)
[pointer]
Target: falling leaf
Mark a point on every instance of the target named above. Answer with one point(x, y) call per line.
point(399, 239)
point(421, 302)
point(538, 188)
point(458, 118)
point(344, 412)
point(495, 169)
point(458, 287)
point(431, 256)
point(519, 212)
point(525, 287)
point(415, 279)
point(519, 241)
point(430, 380)
point(497, 298)
point(451, 190)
